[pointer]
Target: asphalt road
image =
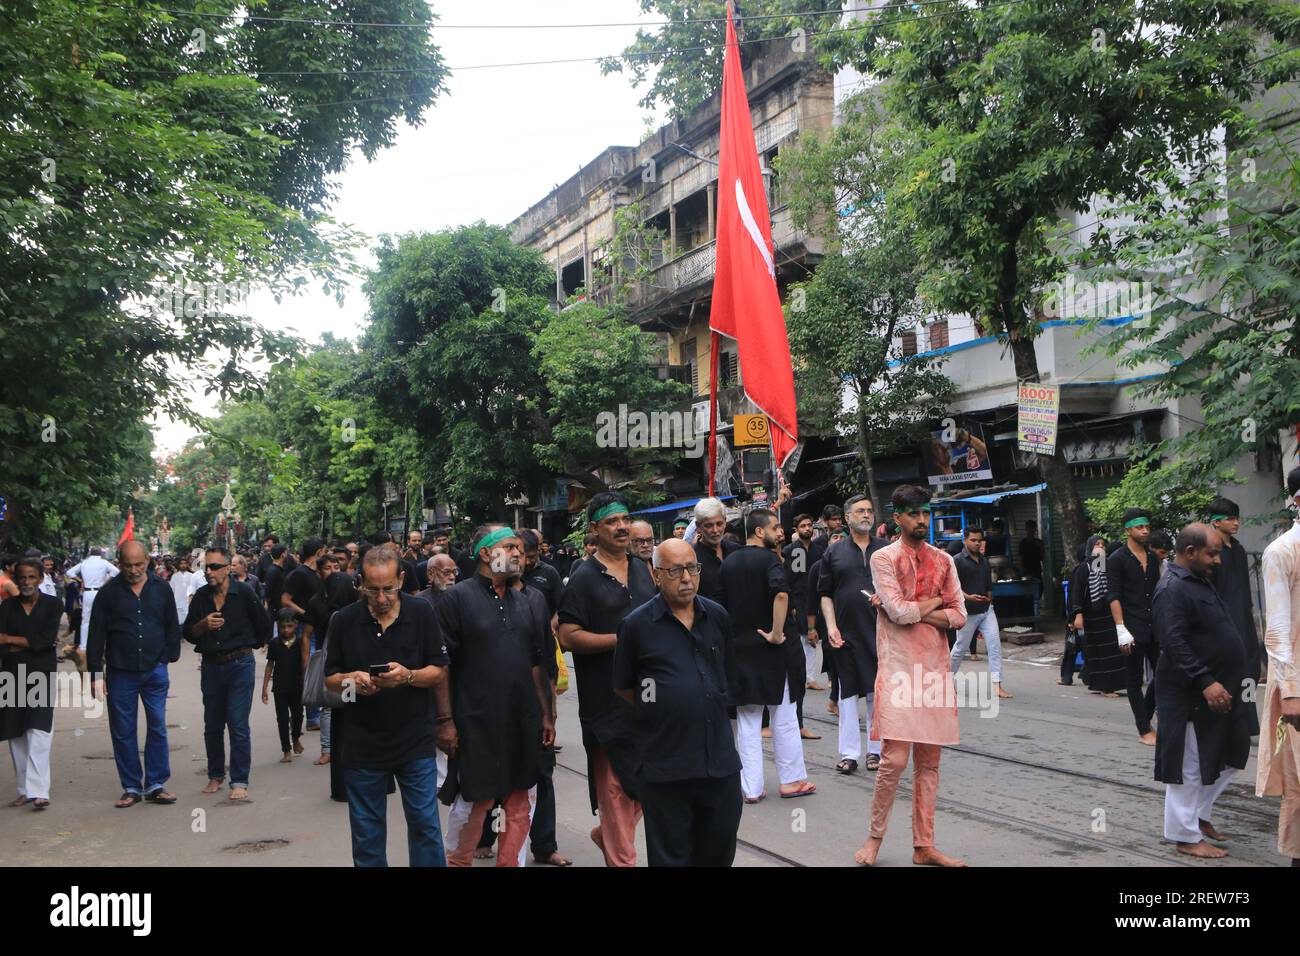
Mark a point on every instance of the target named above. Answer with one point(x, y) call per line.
point(1057, 778)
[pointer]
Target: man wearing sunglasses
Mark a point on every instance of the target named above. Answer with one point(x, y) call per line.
point(226, 623)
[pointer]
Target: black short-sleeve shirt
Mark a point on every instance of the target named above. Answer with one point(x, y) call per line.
point(302, 584)
point(679, 684)
point(285, 662)
point(596, 601)
point(394, 726)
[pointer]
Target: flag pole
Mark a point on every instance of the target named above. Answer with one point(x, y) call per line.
point(714, 342)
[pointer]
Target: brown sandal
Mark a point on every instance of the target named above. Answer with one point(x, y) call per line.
point(127, 799)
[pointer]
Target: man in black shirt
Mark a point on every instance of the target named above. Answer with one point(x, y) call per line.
point(711, 546)
point(540, 575)
point(1132, 572)
point(387, 659)
point(758, 596)
point(798, 562)
point(226, 623)
point(670, 666)
point(273, 580)
point(976, 579)
point(301, 585)
point(1204, 731)
point(500, 699)
point(1231, 578)
point(134, 634)
point(844, 590)
point(600, 592)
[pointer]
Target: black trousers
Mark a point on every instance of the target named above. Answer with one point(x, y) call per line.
point(1143, 706)
point(541, 838)
point(1073, 644)
point(288, 715)
point(691, 822)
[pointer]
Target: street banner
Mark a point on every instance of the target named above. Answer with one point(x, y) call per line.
point(1036, 423)
point(956, 452)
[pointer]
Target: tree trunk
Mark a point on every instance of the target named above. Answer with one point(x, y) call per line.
point(1054, 469)
point(864, 449)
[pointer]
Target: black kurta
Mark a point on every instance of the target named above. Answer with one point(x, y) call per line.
point(751, 578)
point(41, 628)
point(1232, 580)
point(845, 574)
point(493, 643)
point(1105, 669)
point(1199, 645)
point(710, 585)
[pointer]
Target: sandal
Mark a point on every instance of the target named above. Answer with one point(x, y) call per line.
point(761, 796)
point(20, 801)
point(806, 789)
point(847, 766)
point(40, 803)
point(873, 762)
point(161, 796)
point(127, 799)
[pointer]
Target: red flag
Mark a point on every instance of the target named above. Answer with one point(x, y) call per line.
point(746, 306)
point(128, 533)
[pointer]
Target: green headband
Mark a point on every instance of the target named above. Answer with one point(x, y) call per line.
point(903, 511)
point(613, 508)
point(489, 539)
point(1221, 517)
point(1137, 522)
point(682, 523)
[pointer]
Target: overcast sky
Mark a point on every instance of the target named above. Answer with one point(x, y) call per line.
point(496, 142)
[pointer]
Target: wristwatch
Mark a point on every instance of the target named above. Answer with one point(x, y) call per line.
point(410, 677)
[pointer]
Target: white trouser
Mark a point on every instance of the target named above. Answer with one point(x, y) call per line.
point(986, 622)
point(461, 808)
point(1189, 802)
point(785, 741)
point(811, 668)
point(31, 755)
point(87, 599)
point(851, 733)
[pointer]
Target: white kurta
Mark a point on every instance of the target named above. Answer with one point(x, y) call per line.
point(1282, 641)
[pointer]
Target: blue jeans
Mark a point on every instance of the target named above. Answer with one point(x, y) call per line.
point(126, 689)
point(367, 813)
point(313, 713)
point(986, 622)
point(227, 700)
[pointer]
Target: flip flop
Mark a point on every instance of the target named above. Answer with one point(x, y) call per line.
point(127, 799)
point(806, 789)
point(40, 803)
point(760, 797)
point(20, 801)
point(161, 796)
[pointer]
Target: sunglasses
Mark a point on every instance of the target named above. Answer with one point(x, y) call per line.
point(217, 567)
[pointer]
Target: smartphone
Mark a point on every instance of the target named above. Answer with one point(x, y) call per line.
point(377, 669)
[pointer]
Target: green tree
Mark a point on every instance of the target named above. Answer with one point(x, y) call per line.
point(147, 156)
point(1020, 112)
point(681, 60)
point(1217, 252)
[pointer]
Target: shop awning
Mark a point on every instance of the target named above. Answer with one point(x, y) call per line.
point(995, 497)
point(675, 506)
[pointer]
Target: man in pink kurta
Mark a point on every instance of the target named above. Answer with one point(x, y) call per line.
point(919, 597)
point(1279, 726)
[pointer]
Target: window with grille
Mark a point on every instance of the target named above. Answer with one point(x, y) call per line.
point(907, 340)
point(938, 334)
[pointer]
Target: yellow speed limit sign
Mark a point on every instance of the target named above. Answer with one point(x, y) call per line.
point(750, 430)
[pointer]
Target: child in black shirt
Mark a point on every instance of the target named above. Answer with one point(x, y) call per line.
point(284, 679)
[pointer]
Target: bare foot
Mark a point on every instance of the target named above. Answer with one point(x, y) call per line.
point(239, 793)
point(553, 859)
point(767, 733)
point(286, 758)
point(1203, 850)
point(1002, 693)
point(813, 685)
point(929, 856)
point(807, 734)
point(297, 746)
point(833, 708)
point(483, 852)
point(598, 838)
point(867, 853)
point(1111, 695)
point(322, 760)
point(212, 787)
point(1209, 830)
point(1149, 738)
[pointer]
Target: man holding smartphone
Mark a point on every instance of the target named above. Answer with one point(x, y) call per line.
point(226, 623)
point(385, 656)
